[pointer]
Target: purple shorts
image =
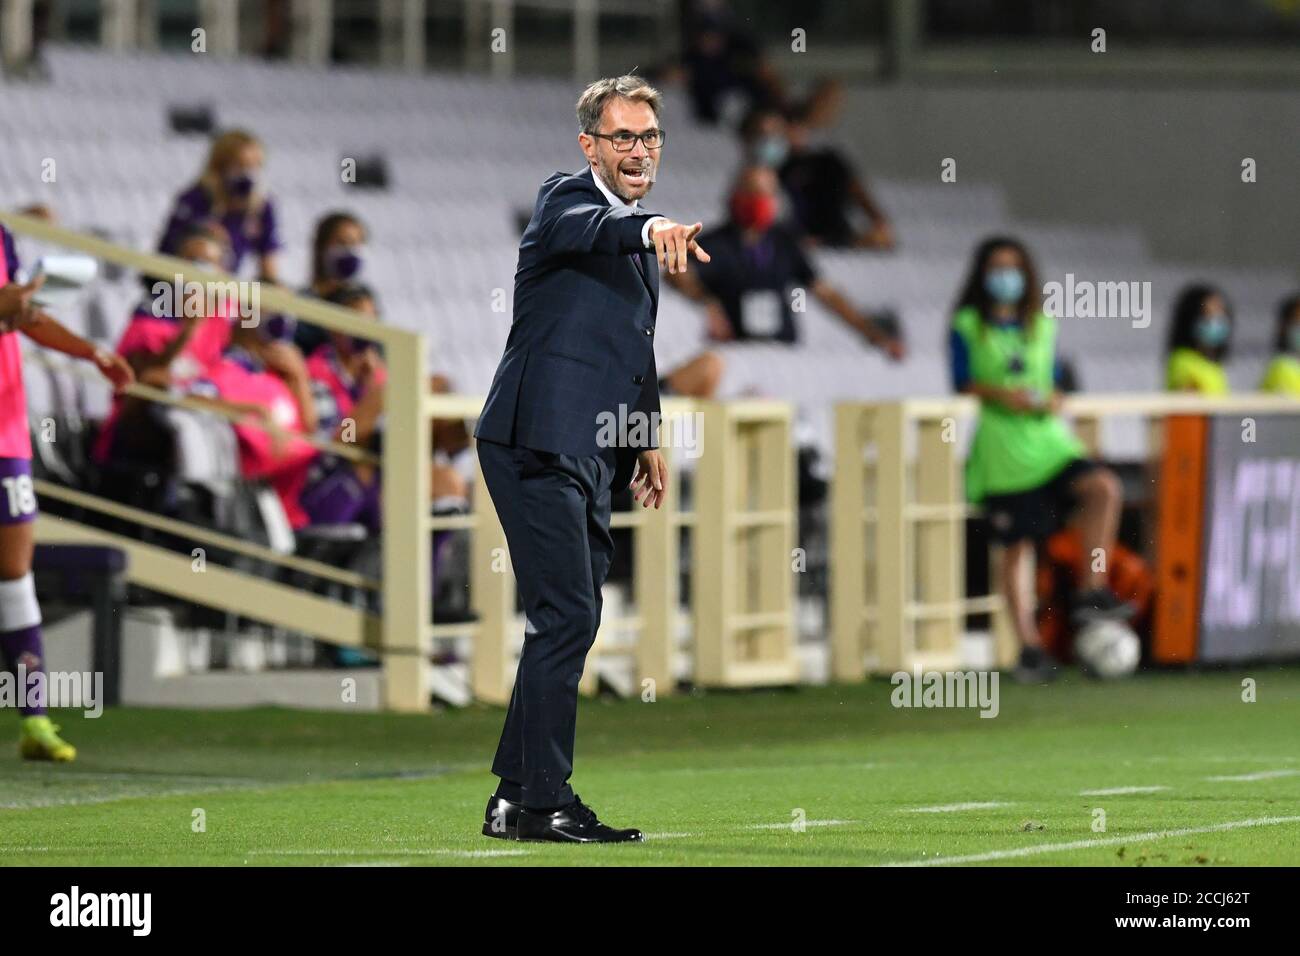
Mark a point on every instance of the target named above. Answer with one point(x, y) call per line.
point(17, 497)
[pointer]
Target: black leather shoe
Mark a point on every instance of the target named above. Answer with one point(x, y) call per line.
point(501, 819)
point(575, 823)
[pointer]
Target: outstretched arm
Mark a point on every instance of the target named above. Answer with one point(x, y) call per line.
point(830, 297)
point(44, 330)
point(574, 221)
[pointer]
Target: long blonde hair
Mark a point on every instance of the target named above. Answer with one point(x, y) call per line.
point(224, 148)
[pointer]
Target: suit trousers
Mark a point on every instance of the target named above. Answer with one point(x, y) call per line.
point(555, 511)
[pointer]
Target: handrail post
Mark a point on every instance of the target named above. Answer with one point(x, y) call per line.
point(894, 575)
point(847, 585)
point(407, 552)
point(492, 590)
point(940, 541)
point(656, 545)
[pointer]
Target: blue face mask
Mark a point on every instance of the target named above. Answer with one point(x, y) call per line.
point(771, 150)
point(1005, 286)
point(1213, 330)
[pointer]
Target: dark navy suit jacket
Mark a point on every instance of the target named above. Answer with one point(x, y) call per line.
point(582, 339)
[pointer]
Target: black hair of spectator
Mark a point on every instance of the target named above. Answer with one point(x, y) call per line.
point(1188, 309)
point(798, 113)
point(1286, 314)
point(748, 128)
point(974, 294)
point(348, 294)
point(325, 228)
point(204, 231)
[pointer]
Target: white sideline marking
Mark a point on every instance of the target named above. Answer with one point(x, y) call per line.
point(1119, 791)
point(43, 803)
point(371, 863)
point(958, 807)
point(1251, 777)
point(789, 825)
point(382, 852)
point(792, 822)
point(1103, 841)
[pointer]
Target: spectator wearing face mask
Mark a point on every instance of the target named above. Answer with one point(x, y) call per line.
point(229, 195)
point(337, 260)
point(746, 287)
point(348, 378)
point(1283, 374)
point(1200, 338)
point(1024, 465)
point(827, 194)
point(763, 138)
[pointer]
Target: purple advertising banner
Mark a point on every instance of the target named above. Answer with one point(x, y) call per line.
point(1250, 608)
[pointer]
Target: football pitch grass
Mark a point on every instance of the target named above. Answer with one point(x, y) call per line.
point(1184, 772)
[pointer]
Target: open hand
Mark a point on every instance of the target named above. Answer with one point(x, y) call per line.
point(114, 368)
point(651, 479)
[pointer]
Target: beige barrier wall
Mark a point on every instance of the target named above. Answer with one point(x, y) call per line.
point(897, 596)
point(742, 514)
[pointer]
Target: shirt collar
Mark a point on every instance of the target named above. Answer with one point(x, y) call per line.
point(609, 196)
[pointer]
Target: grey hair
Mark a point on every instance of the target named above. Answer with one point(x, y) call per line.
point(591, 104)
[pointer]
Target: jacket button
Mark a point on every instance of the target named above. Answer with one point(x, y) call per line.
point(638, 379)
point(649, 330)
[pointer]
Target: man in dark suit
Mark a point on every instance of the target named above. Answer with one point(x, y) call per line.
point(571, 414)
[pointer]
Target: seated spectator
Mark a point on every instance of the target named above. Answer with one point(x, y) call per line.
point(1200, 337)
point(727, 73)
point(1025, 466)
point(763, 138)
point(826, 193)
point(724, 65)
point(1283, 374)
point(756, 264)
point(348, 379)
point(263, 376)
point(229, 194)
point(337, 258)
point(164, 350)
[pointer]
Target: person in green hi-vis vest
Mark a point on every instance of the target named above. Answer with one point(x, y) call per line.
point(1200, 337)
point(1025, 466)
point(1283, 374)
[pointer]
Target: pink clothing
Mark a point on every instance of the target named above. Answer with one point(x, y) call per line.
point(15, 439)
point(151, 335)
point(285, 469)
point(326, 370)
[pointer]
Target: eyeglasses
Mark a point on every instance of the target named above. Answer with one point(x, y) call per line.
point(624, 141)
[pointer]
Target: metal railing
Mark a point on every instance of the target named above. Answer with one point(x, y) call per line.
point(400, 634)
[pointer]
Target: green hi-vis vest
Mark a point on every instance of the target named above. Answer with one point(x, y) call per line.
point(1283, 376)
point(1189, 370)
point(1013, 451)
